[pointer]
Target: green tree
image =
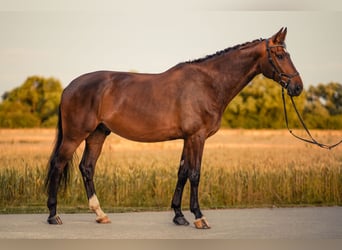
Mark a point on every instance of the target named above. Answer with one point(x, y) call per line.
point(260, 105)
point(323, 108)
point(33, 104)
point(328, 95)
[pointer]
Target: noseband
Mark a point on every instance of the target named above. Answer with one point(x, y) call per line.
point(284, 79)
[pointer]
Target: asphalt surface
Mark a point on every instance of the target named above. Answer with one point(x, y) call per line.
point(257, 223)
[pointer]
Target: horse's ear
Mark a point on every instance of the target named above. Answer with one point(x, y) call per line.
point(279, 38)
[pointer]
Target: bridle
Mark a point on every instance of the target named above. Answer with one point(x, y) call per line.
point(284, 79)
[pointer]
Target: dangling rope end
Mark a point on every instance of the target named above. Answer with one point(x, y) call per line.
point(312, 141)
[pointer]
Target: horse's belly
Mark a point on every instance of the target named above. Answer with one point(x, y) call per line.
point(142, 131)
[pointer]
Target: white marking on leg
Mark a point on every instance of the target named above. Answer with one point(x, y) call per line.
point(94, 205)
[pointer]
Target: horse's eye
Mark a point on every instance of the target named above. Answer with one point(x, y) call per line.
point(280, 56)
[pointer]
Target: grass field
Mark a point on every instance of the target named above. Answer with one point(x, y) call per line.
point(241, 168)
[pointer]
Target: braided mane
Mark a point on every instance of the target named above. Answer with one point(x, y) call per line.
point(224, 51)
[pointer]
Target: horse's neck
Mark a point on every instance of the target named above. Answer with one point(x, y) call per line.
point(234, 70)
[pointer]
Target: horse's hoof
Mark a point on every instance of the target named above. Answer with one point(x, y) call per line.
point(55, 220)
point(180, 221)
point(103, 220)
point(202, 223)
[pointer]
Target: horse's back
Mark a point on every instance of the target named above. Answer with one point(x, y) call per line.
point(89, 82)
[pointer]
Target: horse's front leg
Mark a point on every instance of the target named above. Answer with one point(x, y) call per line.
point(179, 218)
point(193, 157)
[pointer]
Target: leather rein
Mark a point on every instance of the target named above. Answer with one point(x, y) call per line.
point(285, 83)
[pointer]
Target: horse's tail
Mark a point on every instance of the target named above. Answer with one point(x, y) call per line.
point(52, 161)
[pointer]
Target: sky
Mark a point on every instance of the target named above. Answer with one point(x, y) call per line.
point(64, 39)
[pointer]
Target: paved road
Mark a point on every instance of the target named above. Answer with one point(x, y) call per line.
point(265, 223)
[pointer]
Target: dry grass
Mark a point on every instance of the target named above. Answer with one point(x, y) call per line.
point(241, 168)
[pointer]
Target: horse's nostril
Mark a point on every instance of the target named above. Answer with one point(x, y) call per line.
point(298, 89)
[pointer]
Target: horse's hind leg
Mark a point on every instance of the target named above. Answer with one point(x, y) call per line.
point(91, 153)
point(58, 164)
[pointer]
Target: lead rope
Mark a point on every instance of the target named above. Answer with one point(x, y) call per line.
point(312, 141)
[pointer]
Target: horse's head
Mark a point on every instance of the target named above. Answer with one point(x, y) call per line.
point(277, 65)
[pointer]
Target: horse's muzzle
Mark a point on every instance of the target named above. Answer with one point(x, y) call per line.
point(294, 86)
point(294, 89)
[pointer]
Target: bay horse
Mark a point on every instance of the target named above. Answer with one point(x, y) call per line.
point(185, 102)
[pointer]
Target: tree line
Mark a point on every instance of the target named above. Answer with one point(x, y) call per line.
point(260, 105)
point(35, 104)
